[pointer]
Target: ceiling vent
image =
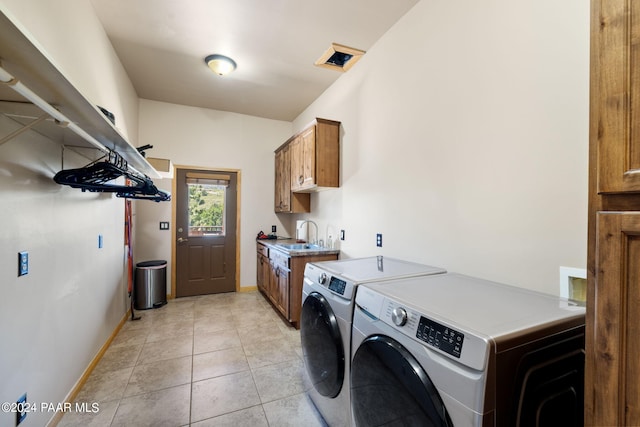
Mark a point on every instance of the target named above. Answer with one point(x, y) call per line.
point(339, 57)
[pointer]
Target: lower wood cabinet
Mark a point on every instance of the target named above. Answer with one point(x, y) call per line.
point(280, 277)
point(263, 270)
point(612, 395)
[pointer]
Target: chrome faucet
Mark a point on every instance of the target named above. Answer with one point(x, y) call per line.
point(315, 225)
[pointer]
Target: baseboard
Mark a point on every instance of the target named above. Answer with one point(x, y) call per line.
point(247, 288)
point(87, 372)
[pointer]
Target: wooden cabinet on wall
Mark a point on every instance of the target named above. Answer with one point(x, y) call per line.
point(315, 157)
point(306, 162)
point(285, 199)
point(612, 390)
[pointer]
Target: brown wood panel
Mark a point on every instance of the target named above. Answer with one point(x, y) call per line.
point(632, 353)
point(309, 157)
point(612, 375)
point(285, 199)
point(296, 279)
point(328, 153)
point(612, 355)
point(315, 156)
point(282, 277)
point(615, 85)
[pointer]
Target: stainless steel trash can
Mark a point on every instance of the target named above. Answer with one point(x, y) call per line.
point(150, 286)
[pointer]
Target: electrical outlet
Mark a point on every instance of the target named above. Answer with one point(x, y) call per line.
point(379, 240)
point(341, 234)
point(273, 228)
point(23, 263)
point(21, 409)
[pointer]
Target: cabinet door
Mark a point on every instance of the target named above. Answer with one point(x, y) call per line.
point(303, 160)
point(283, 292)
point(285, 200)
point(297, 163)
point(273, 282)
point(283, 181)
point(612, 392)
point(615, 94)
point(260, 273)
point(263, 274)
point(308, 141)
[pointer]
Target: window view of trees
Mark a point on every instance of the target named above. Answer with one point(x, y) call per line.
point(206, 209)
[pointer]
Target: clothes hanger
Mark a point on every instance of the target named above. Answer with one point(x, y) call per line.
point(98, 176)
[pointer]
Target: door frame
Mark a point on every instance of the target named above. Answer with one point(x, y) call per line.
point(174, 209)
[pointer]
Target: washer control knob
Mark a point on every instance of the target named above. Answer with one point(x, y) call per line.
point(399, 316)
point(322, 279)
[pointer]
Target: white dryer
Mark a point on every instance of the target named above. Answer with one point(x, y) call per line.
point(328, 294)
point(455, 350)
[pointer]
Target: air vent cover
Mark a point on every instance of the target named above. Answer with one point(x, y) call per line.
point(339, 57)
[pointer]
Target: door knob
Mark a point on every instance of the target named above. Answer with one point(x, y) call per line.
point(180, 240)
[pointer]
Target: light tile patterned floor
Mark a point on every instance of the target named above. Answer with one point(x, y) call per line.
point(214, 360)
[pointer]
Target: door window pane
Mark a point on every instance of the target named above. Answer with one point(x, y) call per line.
point(206, 208)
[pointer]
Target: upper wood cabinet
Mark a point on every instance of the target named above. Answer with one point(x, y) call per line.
point(307, 162)
point(315, 157)
point(612, 367)
point(285, 200)
point(615, 81)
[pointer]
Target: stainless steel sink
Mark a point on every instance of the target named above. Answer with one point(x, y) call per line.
point(298, 246)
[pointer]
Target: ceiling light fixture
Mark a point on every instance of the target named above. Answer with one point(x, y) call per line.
point(220, 64)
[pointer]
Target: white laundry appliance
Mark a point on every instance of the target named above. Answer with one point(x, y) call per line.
point(328, 294)
point(452, 350)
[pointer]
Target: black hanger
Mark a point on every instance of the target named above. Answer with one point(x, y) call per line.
point(98, 177)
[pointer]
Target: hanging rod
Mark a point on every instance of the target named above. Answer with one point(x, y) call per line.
point(15, 84)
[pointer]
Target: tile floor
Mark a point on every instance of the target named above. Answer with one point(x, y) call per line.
point(214, 360)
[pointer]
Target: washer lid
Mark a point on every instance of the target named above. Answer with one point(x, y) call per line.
point(376, 269)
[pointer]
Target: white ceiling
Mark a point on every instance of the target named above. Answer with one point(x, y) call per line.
point(162, 45)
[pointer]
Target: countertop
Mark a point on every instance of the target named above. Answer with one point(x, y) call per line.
point(279, 245)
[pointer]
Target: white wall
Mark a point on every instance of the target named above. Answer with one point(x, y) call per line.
point(470, 150)
point(197, 137)
point(469, 153)
point(55, 319)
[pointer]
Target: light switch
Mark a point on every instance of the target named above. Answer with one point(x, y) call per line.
point(164, 225)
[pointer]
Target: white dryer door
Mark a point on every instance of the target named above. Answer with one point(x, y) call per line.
point(389, 387)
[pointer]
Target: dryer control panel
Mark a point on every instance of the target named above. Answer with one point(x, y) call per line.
point(337, 285)
point(439, 336)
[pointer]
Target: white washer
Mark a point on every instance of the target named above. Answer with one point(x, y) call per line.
point(455, 350)
point(328, 294)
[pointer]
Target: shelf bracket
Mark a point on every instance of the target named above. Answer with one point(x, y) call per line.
point(24, 128)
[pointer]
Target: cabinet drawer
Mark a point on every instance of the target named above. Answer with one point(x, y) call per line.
point(262, 250)
point(279, 259)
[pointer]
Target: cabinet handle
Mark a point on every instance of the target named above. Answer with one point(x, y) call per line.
point(300, 179)
point(278, 272)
